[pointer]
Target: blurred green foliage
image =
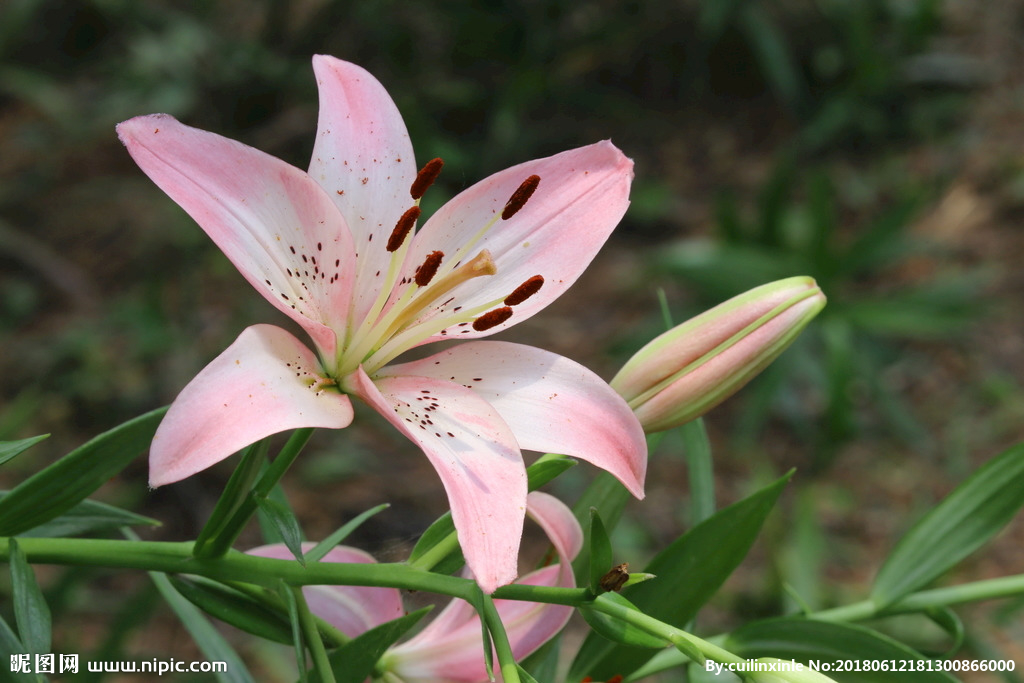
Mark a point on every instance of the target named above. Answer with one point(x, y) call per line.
point(111, 298)
point(876, 298)
point(105, 282)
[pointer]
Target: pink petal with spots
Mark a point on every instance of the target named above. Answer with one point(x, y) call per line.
point(260, 385)
point(552, 404)
point(476, 456)
point(449, 647)
point(363, 159)
point(277, 225)
point(353, 610)
point(581, 197)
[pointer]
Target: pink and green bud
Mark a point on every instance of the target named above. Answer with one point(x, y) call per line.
point(693, 367)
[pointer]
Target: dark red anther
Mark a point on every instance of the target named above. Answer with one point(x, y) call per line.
point(520, 197)
point(426, 272)
point(403, 227)
point(492, 318)
point(425, 178)
point(525, 291)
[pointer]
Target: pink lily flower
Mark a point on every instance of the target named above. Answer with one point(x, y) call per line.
point(449, 649)
point(335, 250)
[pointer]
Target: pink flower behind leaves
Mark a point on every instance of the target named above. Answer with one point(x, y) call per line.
point(450, 648)
point(336, 250)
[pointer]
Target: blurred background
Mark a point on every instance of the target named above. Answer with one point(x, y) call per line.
point(876, 145)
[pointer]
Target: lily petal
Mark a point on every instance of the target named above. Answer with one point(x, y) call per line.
point(353, 610)
point(552, 404)
point(476, 456)
point(272, 221)
point(581, 197)
point(449, 647)
point(364, 160)
point(264, 383)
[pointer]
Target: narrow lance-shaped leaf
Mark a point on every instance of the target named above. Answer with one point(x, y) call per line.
point(30, 610)
point(354, 662)
point(323, 547)
point(617, 630)
point(807, 640)
point(298, 642)
point(234, 608)
point(70, 480)
point(87, 517)
point(688, 572)
point(600, 552)
point(972, 514)
point(216, 535)
point(281, 519)
point(11, 649)
point(210, 642)
point(11, 449)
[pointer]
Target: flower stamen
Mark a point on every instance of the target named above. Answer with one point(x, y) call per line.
point(425, 178)
point(519, 198)
point(403, 228)
point(525, 291)
point(492, 318)
point(426, 272)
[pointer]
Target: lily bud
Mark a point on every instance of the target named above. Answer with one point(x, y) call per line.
point(788, 672)
point(693, 367)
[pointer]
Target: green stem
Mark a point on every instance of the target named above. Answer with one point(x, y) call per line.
point(177, 558)
point(989, 589)
point(312, 635)
point(503, 648)
point(662, 630)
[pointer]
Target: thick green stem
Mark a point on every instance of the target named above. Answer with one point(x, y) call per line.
point(989, 589)
point(662, 630)
point(312, 636)
point(234, 566)
point(502, 647)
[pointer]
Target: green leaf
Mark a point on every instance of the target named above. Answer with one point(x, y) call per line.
point(216, 536)
point(58, 488)
point(317, 553)
point(441, 529)
point(524, 675)
point(11, 449)
point(9, 647)
point(808, 640)
point(950, 622)
point(283, 521)
point(688, 572)
point(972, 514)
point(354, 662)
point(297, 641)
point(210, 642)
point(691, 651)
point(600, 552)
point(546, 468)
point(617, 630)
point(609, 497)
point(30, 610)
point(235, 608)
point(87, 517)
